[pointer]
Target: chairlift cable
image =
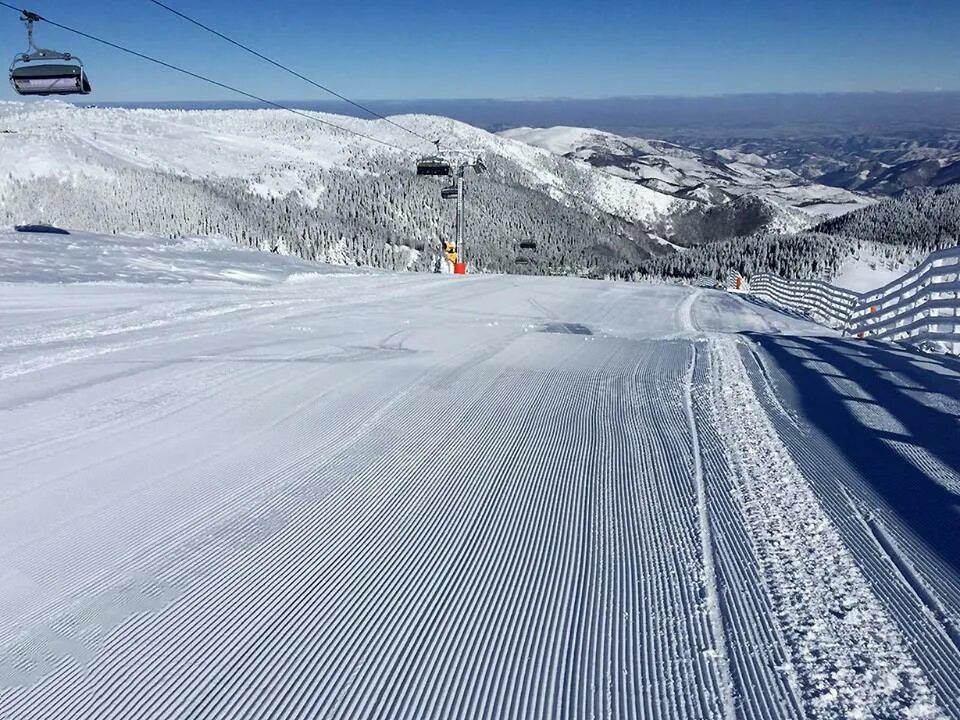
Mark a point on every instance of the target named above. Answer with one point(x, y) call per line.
point(289, 70)
point(192, 74)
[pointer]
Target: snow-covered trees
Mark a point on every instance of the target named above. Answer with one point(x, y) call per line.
point(277, 182)
point(917, 223)
point(342, 216)
point(925, 219)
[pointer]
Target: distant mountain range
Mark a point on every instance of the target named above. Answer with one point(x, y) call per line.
point(874, 176)
point(881, 163)
point(594, 202)
point(734, 192)
point(750, 115)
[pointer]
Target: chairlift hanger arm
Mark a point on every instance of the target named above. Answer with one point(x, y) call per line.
point(44, 54)
point(32, 73)
point(28, 18)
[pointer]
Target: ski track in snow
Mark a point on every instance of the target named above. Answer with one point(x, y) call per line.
point(395, 496)
point(919, 591)
point(848, 653)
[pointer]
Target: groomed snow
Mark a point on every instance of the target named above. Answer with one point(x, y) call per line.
point(240, 485)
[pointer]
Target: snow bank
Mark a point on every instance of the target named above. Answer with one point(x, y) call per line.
point(869, 271)
point(38, 257)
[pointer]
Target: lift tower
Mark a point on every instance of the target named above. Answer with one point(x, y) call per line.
point(453, 163)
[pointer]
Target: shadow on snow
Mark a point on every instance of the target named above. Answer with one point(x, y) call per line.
point(895, 380)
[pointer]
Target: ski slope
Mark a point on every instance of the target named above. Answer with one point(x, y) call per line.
point(242, 485)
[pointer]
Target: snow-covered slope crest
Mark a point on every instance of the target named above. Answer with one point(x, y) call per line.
point(870, 268)
point(277, 153)
point(563, 140)
point(342, 189)
point(624, 199)
point(68, 257)
point(706, 176)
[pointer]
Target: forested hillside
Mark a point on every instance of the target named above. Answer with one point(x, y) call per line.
point(916, 223)
point(364, 220)
point(733, 193)
point(269, 180)
point(281, 183)
point(923, 219)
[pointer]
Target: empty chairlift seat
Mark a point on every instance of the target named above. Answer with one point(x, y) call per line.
point(449, 192)
point(50, 79)
point(46, 72)
point(433, 165)
point(528, 245)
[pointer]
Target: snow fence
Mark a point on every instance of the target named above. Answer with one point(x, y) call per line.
point(735, 281)
point(823, 302)
point(922, 308)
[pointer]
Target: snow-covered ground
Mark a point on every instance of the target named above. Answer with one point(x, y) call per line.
point(50, 257)
point(241, 485)
point(274, 152)
point(707, 176)
point(867, 271)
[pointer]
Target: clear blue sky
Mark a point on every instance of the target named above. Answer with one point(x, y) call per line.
point(512, 49)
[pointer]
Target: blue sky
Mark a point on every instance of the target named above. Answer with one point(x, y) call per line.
point(516, 49)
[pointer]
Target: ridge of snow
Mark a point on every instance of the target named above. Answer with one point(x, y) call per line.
point(81, 257)
point(272, 151)
point(726, 171)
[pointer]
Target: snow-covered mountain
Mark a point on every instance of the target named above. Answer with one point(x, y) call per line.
point(738, 189)
point(891, 235)
point(278, 181)
point(880, 161)
point(882, 178)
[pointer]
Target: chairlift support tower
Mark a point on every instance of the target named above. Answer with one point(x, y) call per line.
point(442, 165)
point(460, 214)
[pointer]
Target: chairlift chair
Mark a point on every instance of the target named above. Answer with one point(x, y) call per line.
point(522, 260)
point(433, 165)
point(449, 192)
point(46, 78)
point(528, 245)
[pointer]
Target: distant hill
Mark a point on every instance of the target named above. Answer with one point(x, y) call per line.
point(879, 162)
point(734, 193)
point(894, 232)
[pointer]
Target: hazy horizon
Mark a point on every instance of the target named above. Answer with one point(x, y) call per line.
point(748, 113)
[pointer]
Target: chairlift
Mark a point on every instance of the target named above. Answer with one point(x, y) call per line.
point(449, 192)
point(433, 165)
point(522, 260)
point(46, 78)
point(528, 245)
